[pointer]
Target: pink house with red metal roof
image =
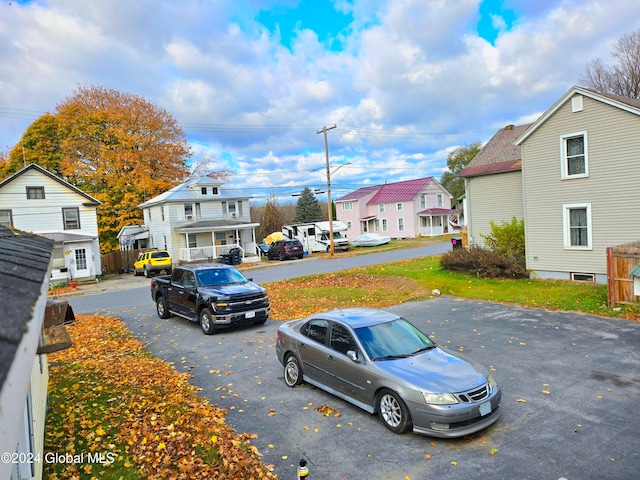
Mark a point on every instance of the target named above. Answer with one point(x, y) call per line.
point(408, 209)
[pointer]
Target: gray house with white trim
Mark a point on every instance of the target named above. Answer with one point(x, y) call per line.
point(579, 177)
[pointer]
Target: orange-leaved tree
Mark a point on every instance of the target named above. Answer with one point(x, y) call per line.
point(115, 146)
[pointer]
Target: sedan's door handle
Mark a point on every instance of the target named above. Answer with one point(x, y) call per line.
point(330, 357)
point(302, 345)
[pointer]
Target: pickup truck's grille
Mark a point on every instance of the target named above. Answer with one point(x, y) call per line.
point(246, 303)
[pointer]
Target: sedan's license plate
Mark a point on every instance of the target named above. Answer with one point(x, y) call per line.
point(485, 409)
point(250, 315)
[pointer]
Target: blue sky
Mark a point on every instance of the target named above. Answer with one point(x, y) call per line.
point(253, 81)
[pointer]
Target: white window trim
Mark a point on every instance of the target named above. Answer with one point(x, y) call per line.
point(564, 167)
point(381, 208)
point(347, 206)
point(384, 224)
point(440, 200)
point(400, 224)
point(566, 226)
point(399, 206)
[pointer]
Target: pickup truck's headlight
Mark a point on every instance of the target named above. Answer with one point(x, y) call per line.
point(219, 305)
point(440, 398)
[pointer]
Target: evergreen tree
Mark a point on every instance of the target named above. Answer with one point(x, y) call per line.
point(308, 208)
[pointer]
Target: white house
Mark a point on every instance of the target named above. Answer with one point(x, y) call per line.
point(199, 220)
point(35, 200)
point(25, 264)
point(407, 209)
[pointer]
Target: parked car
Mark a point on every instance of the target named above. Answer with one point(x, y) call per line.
point(152, 261)
point(383, 364)
point(212, 294)
point(286, 248)
point(370, 240)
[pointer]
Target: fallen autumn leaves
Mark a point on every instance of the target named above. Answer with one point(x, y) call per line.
point(110, 399)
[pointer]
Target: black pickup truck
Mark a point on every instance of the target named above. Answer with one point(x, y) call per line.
point(215, 295)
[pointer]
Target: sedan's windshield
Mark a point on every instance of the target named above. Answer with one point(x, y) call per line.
point(395, 339)
point(219, 276)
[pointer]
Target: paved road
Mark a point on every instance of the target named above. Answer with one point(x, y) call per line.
point(127, 292)
point(570, 384)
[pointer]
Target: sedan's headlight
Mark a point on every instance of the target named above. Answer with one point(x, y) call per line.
point(440, 398)
point(492, 382)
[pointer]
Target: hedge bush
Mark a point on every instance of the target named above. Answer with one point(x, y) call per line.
point(484, 263)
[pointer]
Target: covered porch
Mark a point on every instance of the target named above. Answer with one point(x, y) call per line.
point(207, 241)
point(437, 221)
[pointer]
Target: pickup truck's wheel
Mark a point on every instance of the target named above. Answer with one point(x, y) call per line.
point(393, 412)
point(206, 322)
point(161, 308)
point(147, 273)
point(292, 371)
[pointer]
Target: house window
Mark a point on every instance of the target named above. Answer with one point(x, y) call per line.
point(346, 206)
point(381, 208)
point(191, 240)
point(376, 225)
point(35, 193)
point(162, 212)
point(81, 259)
point(401, 224)
point(214, 190)
point(198, 212)
point(71, 218)
point(577, 226)
point(385, 225)
point(188, 211)
point(203, 190)
point(574, 155)
point(423, 201)
point(350, 225)
point(440, 200)
point(5, 218)
point(399, 206)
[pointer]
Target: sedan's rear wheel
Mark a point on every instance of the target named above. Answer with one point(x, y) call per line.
point(292, 371)
point(206, 322)
point(393, 412)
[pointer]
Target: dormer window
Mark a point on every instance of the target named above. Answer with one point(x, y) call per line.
point(203, 190)
point(214, 190)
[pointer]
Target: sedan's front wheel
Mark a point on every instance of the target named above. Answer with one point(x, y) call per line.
point(393, 412)
point(292, 371)
point(206, 323)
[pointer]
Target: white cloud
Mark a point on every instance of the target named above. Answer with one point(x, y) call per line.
point(412, 81)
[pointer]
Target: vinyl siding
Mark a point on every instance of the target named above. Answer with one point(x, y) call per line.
point(496, 197)
point(45, 215)
point(613, 147)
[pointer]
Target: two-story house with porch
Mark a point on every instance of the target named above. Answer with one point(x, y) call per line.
point(407, 209)
point(198, 220)
point(35, 200)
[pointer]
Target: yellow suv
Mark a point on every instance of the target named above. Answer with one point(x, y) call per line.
point(152, 261)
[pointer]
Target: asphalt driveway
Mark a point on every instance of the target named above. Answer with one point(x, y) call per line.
point(570, 384)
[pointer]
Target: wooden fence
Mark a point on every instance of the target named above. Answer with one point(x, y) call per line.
point(119, 261)
point(621, 259)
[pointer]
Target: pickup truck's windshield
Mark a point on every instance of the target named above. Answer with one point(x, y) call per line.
point(219, 276)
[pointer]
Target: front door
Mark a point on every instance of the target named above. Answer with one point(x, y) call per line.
point(79, 263)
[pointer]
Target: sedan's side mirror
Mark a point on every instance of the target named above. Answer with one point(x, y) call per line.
point(353, 355)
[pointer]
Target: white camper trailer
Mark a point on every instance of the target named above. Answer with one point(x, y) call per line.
point(315, 235)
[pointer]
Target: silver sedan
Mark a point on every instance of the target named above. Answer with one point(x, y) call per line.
point(381, 363)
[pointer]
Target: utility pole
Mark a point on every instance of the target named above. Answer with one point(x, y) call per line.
point(329, 209)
